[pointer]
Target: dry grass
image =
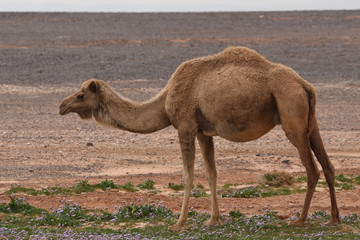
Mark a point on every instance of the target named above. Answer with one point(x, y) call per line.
point(277, 179)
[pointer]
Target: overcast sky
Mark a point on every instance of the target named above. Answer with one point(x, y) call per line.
point(173, 5)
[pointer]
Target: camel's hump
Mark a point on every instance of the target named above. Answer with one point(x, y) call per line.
point(241, 56)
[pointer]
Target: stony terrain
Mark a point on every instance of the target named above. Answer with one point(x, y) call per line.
point(46, 56)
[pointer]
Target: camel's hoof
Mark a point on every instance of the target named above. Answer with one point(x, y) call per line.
point(213, 222)
point(177, 227)
point(298, 223)
point(333, 222)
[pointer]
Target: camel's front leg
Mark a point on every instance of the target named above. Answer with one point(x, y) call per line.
point(207, 150)
point(187, 144)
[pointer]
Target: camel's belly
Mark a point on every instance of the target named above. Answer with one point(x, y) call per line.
point(240, 125)
point(238, 135)
point(246, 135)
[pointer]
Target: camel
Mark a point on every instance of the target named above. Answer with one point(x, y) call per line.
point(236, 94)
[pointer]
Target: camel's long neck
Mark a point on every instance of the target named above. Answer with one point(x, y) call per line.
point(144, 117)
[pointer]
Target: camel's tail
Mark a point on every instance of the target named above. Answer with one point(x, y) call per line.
point(311, 93)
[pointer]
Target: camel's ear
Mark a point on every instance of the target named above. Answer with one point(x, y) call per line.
point(93, 86)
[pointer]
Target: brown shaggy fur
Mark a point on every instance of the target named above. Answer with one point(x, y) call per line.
point(236, 94)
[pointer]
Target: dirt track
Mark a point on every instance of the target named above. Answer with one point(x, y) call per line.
point(45, 57)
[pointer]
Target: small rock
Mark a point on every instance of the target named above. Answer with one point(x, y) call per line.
point(89, 144)
point(286, 161)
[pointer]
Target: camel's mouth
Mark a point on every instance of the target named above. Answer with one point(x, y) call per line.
point(83, 113)
point(64, 109)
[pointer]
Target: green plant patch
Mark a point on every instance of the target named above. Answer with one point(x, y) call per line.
point(351, 179)
point(198, 192)
point(176, 187)
point(343, 178)
point(73, 222)
point(147, 184)
point(67, 215)
point(19, 205)
point(236, 214)
point(129, 186)
point(301, 179)
point(144, 212)
point(45, 191)
point(344, 186)
point(253, 191)
point(107, 184)
point(83, 186)
point(357, 180)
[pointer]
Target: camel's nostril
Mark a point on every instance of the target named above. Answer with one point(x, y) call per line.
point(62, 108)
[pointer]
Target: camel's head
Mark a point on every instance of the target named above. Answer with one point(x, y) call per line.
point(84, 101)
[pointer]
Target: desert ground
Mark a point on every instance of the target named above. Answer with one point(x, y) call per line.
point(46, 56)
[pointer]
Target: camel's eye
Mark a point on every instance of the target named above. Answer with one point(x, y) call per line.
point(80, 96)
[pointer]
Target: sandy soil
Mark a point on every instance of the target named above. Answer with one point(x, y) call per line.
point(46, 56)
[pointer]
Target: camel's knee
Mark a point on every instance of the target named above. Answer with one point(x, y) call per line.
point(188, 180)
point(330, 176)
point(330, 170)
point(313, 179)
point(211, 174)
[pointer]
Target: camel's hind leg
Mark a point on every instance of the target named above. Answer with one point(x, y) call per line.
point(320, 153)
point(293, 111)
point(207, 149)
point(301, 142)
